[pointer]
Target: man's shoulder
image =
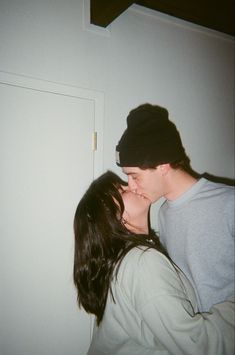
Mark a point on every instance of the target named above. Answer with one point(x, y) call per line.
point(218, 189)
point(217, 185)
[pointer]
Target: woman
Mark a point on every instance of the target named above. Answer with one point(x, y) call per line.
point(142, 303)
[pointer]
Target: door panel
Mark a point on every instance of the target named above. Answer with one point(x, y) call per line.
point(47, 162)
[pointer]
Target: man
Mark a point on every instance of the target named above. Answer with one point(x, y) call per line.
point(196, 221)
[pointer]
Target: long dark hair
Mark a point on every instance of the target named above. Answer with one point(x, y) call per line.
point(102, 241)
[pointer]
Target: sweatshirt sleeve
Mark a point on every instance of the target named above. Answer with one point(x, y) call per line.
point(166, 307)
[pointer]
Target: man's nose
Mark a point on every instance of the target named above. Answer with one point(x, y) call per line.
point(132, 184)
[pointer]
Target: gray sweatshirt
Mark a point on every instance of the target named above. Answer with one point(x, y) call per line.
point(197, 230)
point(153, 311)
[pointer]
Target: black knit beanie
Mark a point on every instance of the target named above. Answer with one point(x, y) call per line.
point(150, 138)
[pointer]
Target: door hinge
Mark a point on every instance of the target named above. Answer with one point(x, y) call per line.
point(94, 141)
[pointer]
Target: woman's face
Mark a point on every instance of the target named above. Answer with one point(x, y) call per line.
point(136, 209)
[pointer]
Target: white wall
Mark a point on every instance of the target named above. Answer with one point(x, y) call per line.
point(143, 56)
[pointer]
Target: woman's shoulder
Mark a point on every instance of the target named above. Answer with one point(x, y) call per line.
point(139, 256)
point(147, 265)
point(148, 271)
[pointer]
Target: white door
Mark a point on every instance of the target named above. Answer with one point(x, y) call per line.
point(47, 162)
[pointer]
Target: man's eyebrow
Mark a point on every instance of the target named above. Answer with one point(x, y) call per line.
point(131, 173)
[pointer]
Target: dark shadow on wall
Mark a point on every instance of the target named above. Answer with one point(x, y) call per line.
point(219, 179)
point(208, 176)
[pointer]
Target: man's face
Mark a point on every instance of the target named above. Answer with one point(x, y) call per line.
point(148, 182)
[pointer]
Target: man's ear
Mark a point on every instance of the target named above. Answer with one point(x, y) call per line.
point(164, 169)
